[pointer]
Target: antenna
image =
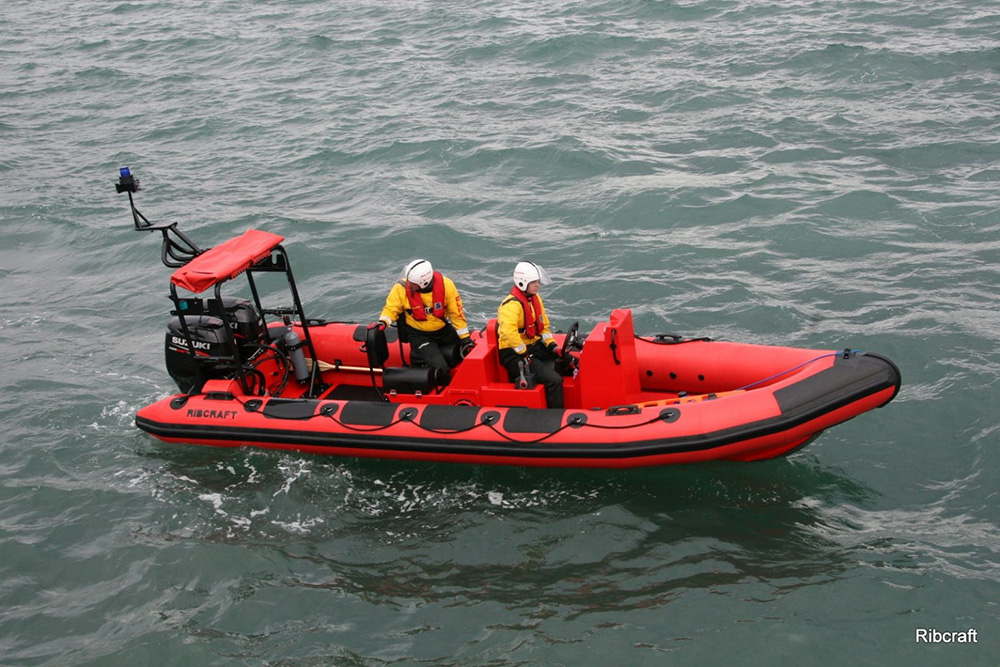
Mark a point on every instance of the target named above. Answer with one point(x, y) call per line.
point(177, 249)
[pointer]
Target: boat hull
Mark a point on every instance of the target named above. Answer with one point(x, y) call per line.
point(744, 426)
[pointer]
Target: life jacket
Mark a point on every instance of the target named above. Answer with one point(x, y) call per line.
point(532, 312)
point(417, 308)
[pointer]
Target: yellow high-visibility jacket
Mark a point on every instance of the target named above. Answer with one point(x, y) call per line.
point(397, 303)
point(510, 325)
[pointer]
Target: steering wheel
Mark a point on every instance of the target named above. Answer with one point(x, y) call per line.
point(572, 340)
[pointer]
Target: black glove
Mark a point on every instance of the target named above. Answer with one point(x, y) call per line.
point(380, 325)
point(553, 348)
point(465, 346)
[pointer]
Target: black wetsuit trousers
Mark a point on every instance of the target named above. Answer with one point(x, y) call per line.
point(429, 348)
point(542, 365)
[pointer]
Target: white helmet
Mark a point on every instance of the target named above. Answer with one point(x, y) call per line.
point(528, 272)
point(419, 272)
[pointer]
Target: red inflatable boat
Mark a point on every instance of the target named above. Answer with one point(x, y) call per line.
point(273, 378)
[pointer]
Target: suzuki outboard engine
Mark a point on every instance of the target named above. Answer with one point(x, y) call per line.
point(209, 339)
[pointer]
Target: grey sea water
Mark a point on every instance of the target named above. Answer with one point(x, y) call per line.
point(805, 173)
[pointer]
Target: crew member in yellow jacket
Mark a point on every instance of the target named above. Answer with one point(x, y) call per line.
point(434, 318)
point(526, 345)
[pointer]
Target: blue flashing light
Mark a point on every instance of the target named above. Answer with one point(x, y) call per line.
point(124, 172)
